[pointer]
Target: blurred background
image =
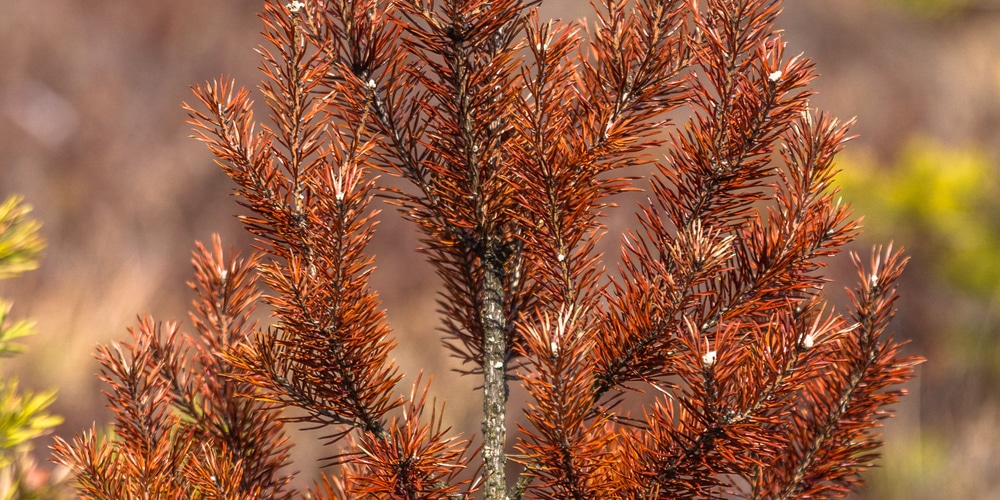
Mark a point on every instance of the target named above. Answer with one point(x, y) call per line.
point(92, 134)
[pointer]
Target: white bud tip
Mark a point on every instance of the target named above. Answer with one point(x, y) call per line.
point(708, 358)
point(774, 77)
point(296, 6)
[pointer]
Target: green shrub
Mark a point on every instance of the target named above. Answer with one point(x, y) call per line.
point(23, 415)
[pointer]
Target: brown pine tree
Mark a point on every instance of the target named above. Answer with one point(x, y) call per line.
point(514, 133)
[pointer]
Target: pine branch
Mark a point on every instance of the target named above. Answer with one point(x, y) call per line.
point(467, 58)
point(566, 451)
point(254, 447)
point(834, 430)
point(152, 445)
point(328, 354)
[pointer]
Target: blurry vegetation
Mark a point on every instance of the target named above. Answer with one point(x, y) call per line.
point(933, 8)
point(19, 240)
point(940, 203)
point(23, 415)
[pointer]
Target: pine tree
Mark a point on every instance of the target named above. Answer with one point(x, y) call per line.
point(514, 133)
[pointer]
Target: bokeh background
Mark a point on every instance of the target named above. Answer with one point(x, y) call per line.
point(93, 135)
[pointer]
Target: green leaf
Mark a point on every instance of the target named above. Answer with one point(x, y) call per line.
point(12, 331)
point(22, 416)
point(20, 243)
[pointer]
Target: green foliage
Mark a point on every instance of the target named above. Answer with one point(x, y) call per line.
point(20, 243)
point(932, 8)
point(939, 202)
point(12, 331)
point(23, 415)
